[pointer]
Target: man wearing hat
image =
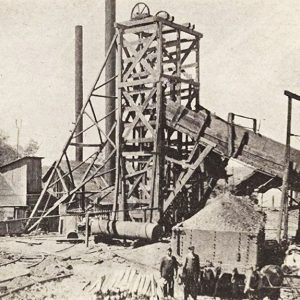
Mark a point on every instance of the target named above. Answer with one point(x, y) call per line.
point(191, 271)
point(168, 269)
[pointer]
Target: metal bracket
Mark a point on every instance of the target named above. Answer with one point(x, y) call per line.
point(243, 142)
point(203, 127)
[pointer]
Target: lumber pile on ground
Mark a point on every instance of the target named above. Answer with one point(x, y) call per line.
point(127, 283)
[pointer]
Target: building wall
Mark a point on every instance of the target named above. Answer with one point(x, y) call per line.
point(7, 213)
point(229, 249)
point(34, 176)
point(12, 227)
point(21, 182)
point(15, 176)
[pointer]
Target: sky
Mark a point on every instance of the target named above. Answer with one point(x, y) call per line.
point(248, 56)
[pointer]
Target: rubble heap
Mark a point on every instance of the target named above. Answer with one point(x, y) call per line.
point(227, 213)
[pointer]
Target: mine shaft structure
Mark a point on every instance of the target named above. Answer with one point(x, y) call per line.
point(158, 63)
point(169, 151)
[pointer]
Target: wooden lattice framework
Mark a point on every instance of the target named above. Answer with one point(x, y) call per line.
point(61, 187)
point(158, 63)
point(164, 163)
point(157, 167)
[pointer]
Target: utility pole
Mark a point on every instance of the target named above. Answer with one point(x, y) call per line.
point(284, 204)
point(18, 126)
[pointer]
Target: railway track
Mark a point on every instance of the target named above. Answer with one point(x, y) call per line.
point(25, 271)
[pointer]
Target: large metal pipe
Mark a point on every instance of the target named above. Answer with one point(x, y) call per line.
point(110, 88)
point(126, 229)
point(78, 91)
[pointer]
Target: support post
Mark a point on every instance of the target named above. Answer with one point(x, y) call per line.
point(87, 229)
point(297, 238)
point(285, 180)
point(158, 163)
point(110, 88)
point(283, 214)
point(78, 92)
point(230, 134)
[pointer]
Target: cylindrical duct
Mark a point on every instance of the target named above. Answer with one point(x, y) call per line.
point(126, 229)
point(78, 91)
point(110, 88)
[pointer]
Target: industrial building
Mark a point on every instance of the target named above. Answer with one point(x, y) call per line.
point(20, 187)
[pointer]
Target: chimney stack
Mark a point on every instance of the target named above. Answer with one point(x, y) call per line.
point(78, 91)
point(110, 88)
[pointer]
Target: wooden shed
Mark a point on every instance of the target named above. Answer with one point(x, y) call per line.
point(227, 232)
point(20, 186)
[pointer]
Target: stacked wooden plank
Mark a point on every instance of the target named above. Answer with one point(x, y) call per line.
point(127, 284)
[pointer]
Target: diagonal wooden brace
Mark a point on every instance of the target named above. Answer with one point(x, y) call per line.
point(65, 197)
point(182, 180)
point(177, 115)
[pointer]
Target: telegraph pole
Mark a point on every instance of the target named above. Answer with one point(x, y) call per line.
point(18, 126)
point(283, 214)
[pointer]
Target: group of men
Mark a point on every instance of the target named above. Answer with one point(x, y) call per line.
point(190, 273)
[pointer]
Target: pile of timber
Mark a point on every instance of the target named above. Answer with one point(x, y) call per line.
point(127, 284)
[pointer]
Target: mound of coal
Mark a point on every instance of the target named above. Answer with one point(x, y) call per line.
point(227, 213)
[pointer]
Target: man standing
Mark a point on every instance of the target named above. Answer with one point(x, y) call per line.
point(168, 269)
point(252, 283)
point(191, 271)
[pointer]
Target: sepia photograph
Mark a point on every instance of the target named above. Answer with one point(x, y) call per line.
point(150, 150)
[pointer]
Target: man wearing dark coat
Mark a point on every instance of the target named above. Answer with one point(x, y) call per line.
point(168, 269)
point(191, 271)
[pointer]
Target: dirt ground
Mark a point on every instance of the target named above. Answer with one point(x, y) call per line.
point(27, 260)
point(37, 258)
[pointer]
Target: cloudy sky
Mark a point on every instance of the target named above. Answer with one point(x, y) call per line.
point(249, 55)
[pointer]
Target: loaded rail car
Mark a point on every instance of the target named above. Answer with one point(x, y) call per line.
point(227, 233)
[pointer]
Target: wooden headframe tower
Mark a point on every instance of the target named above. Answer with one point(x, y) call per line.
point(160, 170)
point(158, 63)
point(170, 151)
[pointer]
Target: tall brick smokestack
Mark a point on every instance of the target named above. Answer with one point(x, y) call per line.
point(110, 88)
point(78, 90)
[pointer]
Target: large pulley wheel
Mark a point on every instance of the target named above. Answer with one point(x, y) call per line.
point(140, 10)
point(163, 14)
